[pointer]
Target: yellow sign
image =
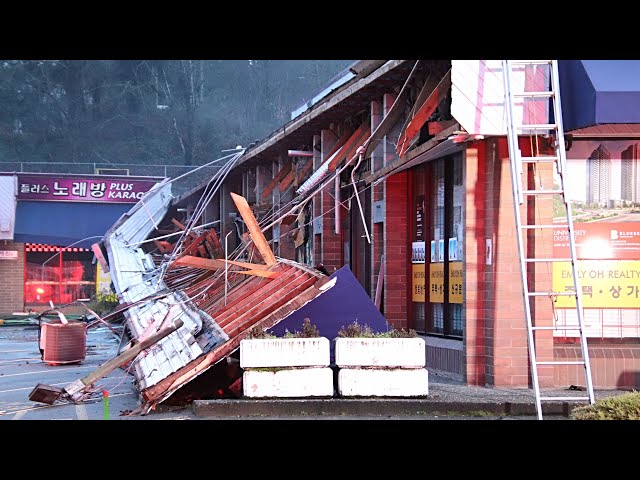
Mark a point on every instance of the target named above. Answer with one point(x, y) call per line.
point(604, 283)
point(417, 283)
point(436, 283)
point(103, 281)
point(455, 282)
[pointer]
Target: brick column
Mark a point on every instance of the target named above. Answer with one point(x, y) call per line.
point(12, 279)
point(475, 274)
point(331, 244)
point(397, 279)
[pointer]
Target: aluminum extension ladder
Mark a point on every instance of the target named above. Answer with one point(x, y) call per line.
point(521, 192)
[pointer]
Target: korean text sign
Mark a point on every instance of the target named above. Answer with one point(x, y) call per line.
point(32, 187)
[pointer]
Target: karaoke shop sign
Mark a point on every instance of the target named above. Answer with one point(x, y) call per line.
point(35, 187)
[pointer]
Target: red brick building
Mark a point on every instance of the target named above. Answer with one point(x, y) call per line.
point(423, 145)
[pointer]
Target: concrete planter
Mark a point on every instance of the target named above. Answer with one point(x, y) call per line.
point(380, 352)
point(397, 382)
point(288, 383)
point(284, 352)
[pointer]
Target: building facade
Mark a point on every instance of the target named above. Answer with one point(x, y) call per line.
point(48, 223)
point(404, 176)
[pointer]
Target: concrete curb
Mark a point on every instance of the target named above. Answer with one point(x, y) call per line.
point(368, 408)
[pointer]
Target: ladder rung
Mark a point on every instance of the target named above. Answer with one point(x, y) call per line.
point(534, 94)
point(540, 159)
point(538, 126)
point(555, 328)
point(558, 225)
point(543, 192)
point(548, 259)
point(551, 294)
point(568, 362)
point(530, 62)
point(566, 399)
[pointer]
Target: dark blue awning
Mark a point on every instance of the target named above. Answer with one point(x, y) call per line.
point(598, 92)
point(65, 223)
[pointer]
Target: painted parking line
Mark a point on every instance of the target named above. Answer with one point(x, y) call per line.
point(21, 360)
point(7, 412)
point(53, 384)
point(59, 370)
point(20, 414)
point(81, 412)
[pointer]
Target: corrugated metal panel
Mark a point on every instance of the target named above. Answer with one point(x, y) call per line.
point(7, 206)
point(135, 278)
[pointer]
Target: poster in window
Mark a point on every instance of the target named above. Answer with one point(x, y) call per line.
point(418, 282)
point(436, 283)
point(455, 282)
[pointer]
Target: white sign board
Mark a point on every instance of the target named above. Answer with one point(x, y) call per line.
point(8, 254)
point(477, 95)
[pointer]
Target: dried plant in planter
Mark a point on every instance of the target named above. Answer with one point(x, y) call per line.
point(257, 333)
point(356, 330)
point(309, 330)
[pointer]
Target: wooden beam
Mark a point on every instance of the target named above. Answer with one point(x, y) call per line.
point(258, 273)
point(214, 263)
point(301, 175)
point(437, 127)
point(79, 385)
point(97, 251)
point(428, 145)
point(254, 229)
point(276, 180)
point(183, 228)
point(423, 113)
point(287, 180)
point(389, 120)
point(163, 246)
point(349, 150)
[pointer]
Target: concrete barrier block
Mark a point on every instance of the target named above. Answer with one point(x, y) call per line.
point(287, 383)
point(398, 382)
point(380, 352)
point(284, 352)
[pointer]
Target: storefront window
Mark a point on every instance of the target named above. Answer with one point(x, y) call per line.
point(58, 276)
point(446, 240)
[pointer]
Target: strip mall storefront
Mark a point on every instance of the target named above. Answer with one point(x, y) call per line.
point(50, 223)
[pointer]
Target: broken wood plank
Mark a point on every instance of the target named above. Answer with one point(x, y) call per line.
point(97, 251)
point(258, 273)
point(437, 127)
point(215, 241)
point(191, 234)
point(423, 113)
point(215, 264)
point(163, 246)
point(287, 180)
point(254, 229)
point(276, 180)
point(428, 145)
point(350, 145)
point(391, 118)
point(301, 175)
point(74, 388)
point(202, 251)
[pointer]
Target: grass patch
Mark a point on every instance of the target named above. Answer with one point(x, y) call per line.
point(619, 407)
